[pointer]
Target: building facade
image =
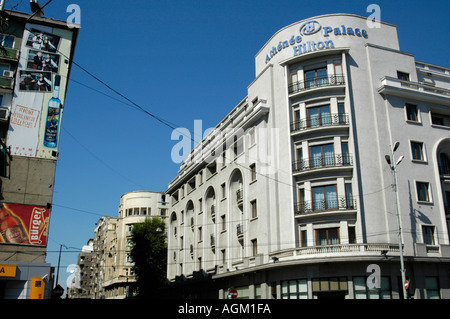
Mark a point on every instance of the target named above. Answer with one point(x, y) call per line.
point(113, 276)
point(291, 195)
point(35, 62)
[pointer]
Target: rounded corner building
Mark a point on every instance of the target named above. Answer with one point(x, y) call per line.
point(330, 179)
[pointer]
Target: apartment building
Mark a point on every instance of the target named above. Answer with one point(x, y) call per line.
point(35, 63)
point(113, 276)
point(291, 195)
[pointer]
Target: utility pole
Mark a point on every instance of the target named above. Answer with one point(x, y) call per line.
point(393, 164)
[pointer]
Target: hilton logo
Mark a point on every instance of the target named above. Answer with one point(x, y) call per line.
point(310, 27)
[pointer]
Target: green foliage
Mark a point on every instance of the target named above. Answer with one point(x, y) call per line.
point(149, 253)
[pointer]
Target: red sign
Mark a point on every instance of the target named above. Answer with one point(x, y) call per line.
point(24, 224)
point(232, 294)
point(406, 284)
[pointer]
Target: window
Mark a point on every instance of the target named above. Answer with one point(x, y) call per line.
point(224, 224)
point(200, 205)
point(254, 208)
point(412, 113)
point(224, 158)
point(252, 137)
point(327, 236)
point(238, 146)
point(223, 256)
point(444, 164)
point(254, 247)
point(432, 287)
point(322, 155)
point(319, 116)
point(316, 77)
point(294, 289)
point(349, 196)
point(303, 238)
point(423, 192)
point(200, 177)
point(428, 235)
point(324, 197)
point(7, 41)
point(223, 190)
point(200, 234)
point(351, 235)
point(402, 76)
point(253, 172)
point(417, 151)
point(362, 291)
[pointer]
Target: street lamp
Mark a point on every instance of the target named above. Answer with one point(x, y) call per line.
point(393, 164)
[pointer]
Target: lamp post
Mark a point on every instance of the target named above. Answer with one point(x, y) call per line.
point(393, 165)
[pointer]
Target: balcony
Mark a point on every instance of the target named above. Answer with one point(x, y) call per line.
point(318, 206)
point(414, 90)
point(319, 82)
point(212, 241)
point(338, 160)
point(240, 232)
point(239, 197)
point(331, 120)
point(6, 82)
point(9, 53)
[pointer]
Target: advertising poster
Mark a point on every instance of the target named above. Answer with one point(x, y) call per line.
point(24, 224)
point(39, 92)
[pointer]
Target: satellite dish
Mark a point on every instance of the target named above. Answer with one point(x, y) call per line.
point(36, 8)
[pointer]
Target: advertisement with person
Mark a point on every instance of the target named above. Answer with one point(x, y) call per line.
point(24, 224)
point(39, 93)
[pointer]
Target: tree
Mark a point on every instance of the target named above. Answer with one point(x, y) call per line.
point(149, 254)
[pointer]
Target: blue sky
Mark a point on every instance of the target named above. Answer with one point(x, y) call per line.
point(182, 61)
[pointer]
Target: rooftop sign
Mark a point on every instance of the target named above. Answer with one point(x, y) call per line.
point(312, 27)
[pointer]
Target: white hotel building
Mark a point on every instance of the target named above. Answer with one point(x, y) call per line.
point(302, 204)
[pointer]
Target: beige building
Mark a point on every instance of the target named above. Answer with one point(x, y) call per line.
point(114, 276)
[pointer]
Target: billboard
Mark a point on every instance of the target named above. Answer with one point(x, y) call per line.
point(40, 87)
point(24, 224)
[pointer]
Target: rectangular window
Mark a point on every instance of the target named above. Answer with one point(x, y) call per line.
point(223, 256)
point(412, 114)
point(423, 194)
point(252, 137)
point(200, 234)
point(327, 236)
point(362, 291)
point(350, 204)
point(224, 223)
point(222, 187)
point(351, 235)
point(254, 208)
point(319, 116)
point(304, 238)
point(321, 155)
point(324, 197)
point(200, 205)
point(7, 41)
point(253, 172)
point(428, 235)
point(294, 289)
point(254, 247)
point(402, 76)
point(432, 287)
point(417, 151)
point(316, 77)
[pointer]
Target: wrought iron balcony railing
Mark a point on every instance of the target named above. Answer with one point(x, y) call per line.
point(315, 206)
point(330, 80)
point(337, 160)
point(322, 121)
